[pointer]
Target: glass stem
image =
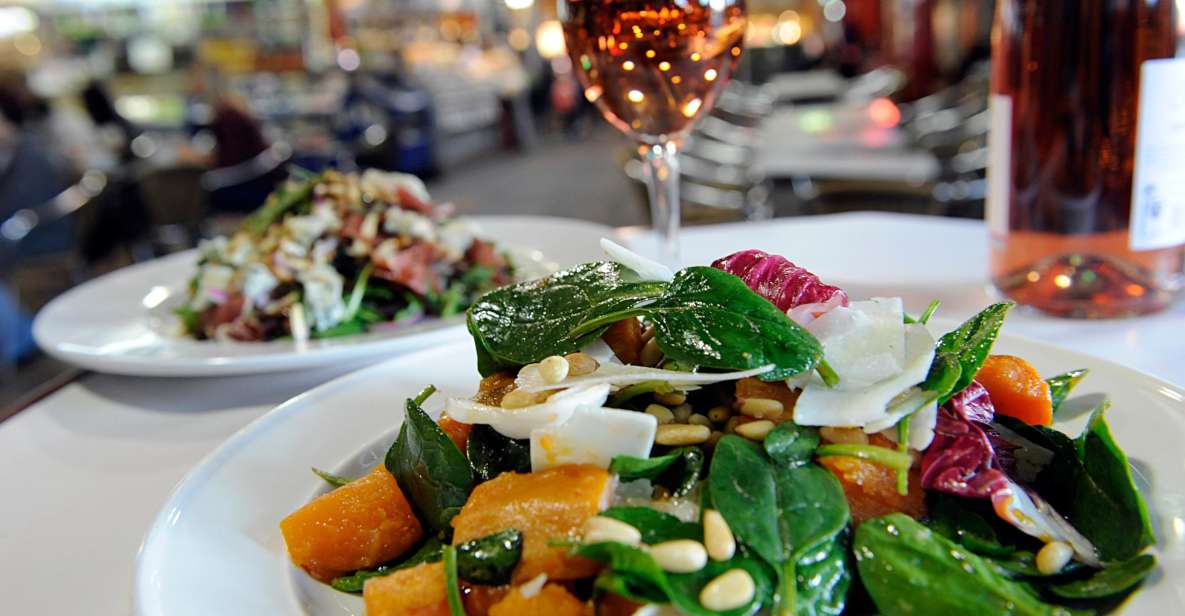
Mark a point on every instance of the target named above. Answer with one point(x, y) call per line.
point(662, 182)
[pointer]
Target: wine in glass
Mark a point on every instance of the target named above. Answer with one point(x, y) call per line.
point(652, 67)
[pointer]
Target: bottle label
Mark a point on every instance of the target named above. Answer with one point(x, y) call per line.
point(999, 163)
point(1158, 183)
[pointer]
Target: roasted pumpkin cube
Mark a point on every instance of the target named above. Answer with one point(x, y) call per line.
point(551, 600)
point(359, 525)
point(871, 489)
point(550, 504)
point(418, 591)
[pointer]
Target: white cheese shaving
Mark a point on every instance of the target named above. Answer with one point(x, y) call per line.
point(258, 283)
point(455, 237)
point(397, 221)
point(518, 423)
point(212, 285)
point(620, 375)
point(387, 184)
point(646, 269)
point(323, 294)
point(593, 435)
point(864, 342)
point(531, 588)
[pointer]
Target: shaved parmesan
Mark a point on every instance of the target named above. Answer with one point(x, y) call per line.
point(646, 269)
point(820, 405)
point(864, 342)
point(620, 375)
point(518, 423)
point(593, 435)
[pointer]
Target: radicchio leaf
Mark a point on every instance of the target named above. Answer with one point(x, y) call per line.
point(968, 458)
point(786, 285)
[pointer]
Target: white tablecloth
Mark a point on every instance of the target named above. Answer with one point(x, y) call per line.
point(86, 469)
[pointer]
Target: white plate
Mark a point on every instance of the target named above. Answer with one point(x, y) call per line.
point(123, 322)
point(215, 547)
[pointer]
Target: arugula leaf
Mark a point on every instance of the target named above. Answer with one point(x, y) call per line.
point(490, 560)
point(336, 481)
point(428, 552)
point(969, 345)
point(528, 321)
point(710, 318)
point(1061, 385)
point(909, 569)
point(491, 453)
point(452, 582)
point(655, 526)
point(677, 471)
point(792, 445)
point(1113, 580)
point(430, 469)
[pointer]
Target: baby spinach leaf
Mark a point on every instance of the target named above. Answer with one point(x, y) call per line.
point(1061, 385)
point(1024, 564)
point(743, 489)
point(822, 578)
point(528, 321)
point(684, 588)
point(792, 445)
point(655, 526)
point(677, 471)
point(428, 552)
point(945, 371)
point(712, 319)
point(452, 583)
point(336, 481)
point(909, 569)
point(490, 560)
point(491, 453)
point(1113, 580)
point(962, 520)
point(431, 471)
point(971, 342)
point(811, 507)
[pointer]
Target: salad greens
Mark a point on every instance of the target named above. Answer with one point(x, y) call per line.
point(678, 471)
point(490, 560)
point(336, 481)
point(1061, 385)
point(452, 582)
point(429, 551)
point(967, 347)
point(655, 526)
point(491, 454)
point(431, 471)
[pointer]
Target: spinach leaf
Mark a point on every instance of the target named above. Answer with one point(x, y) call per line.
point(430, 469)
point(428, 552)
point(490, 560)
point(336, 481)
point(945, 372)
point(970, 343)
point(1061, 385)
point(712, 319)
point(1024, 564)
point(655, 526)
point(677, 471)
point(634, 574)
point(792, 445)
point(1113, 580)
point(529, 321)
point(909, 569)
point(452, 583)
point(743, 489)
point(962, 520)
point(822, 579)
point(629, 392)
point(491, 453)
point(811, 508)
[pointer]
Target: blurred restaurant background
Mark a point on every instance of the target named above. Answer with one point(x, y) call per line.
point(130, 129)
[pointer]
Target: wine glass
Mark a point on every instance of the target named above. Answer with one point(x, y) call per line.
point(652, 67)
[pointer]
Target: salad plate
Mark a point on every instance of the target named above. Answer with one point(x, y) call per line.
point(126, 322)
point(215, 547)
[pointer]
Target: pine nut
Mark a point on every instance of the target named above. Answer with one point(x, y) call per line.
point(732, 589)
point(554, 369)
point(661, 413)
point(718, 539)
point(846, 436)
point(755, 430)
point(681, 434)
point(1053, 556)
point(518, 398)
point(651, 354)
point(647, 333)
point(714, 438)
point(719, 414)
point(699, 420)
point(600, 528)
point(760, 408)
point(730, 426)
point(680, 555)
point(580, 364)
point(672, 398)
point(682, 412)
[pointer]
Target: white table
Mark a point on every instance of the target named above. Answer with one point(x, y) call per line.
point(86, 469)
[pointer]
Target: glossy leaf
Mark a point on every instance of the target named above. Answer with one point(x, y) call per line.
point(431, 471)
point(1113, 580)
point(490, 560)
point(655, 526)
point(792, 445)
point(971, 343)
point(1062, 385)
point(677, 471)
point(429, 552)
point(491, 453)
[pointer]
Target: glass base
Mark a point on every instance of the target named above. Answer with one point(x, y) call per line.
point(1086, 286)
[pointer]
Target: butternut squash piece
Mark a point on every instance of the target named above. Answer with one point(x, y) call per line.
point(550, 504)
point(756, 388)
point(551, 600)
point(871, 489)
point(418, 591)
point(625, 338)
point(456, 430)
point(361, 524)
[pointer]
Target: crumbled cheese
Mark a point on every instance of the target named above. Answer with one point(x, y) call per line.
point(369, 227)
point(387, 184)
point(239, 251)
point(407, 223)
point(304, 230)
point(213, 248)
point(456, 236)
point(258, 283)
point(212, 285)
point(323, 295)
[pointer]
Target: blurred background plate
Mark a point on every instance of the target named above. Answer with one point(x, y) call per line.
point(215, 547)
point(122, 323)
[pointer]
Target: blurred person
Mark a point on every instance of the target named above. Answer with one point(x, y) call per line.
point(238, 135)
point(99, 106)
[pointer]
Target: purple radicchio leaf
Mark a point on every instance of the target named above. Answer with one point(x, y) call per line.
point(781, 282)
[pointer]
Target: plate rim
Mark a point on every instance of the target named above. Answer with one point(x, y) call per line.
point(242, 437)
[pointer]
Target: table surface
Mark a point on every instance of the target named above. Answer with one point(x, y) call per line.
point(87, 468)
